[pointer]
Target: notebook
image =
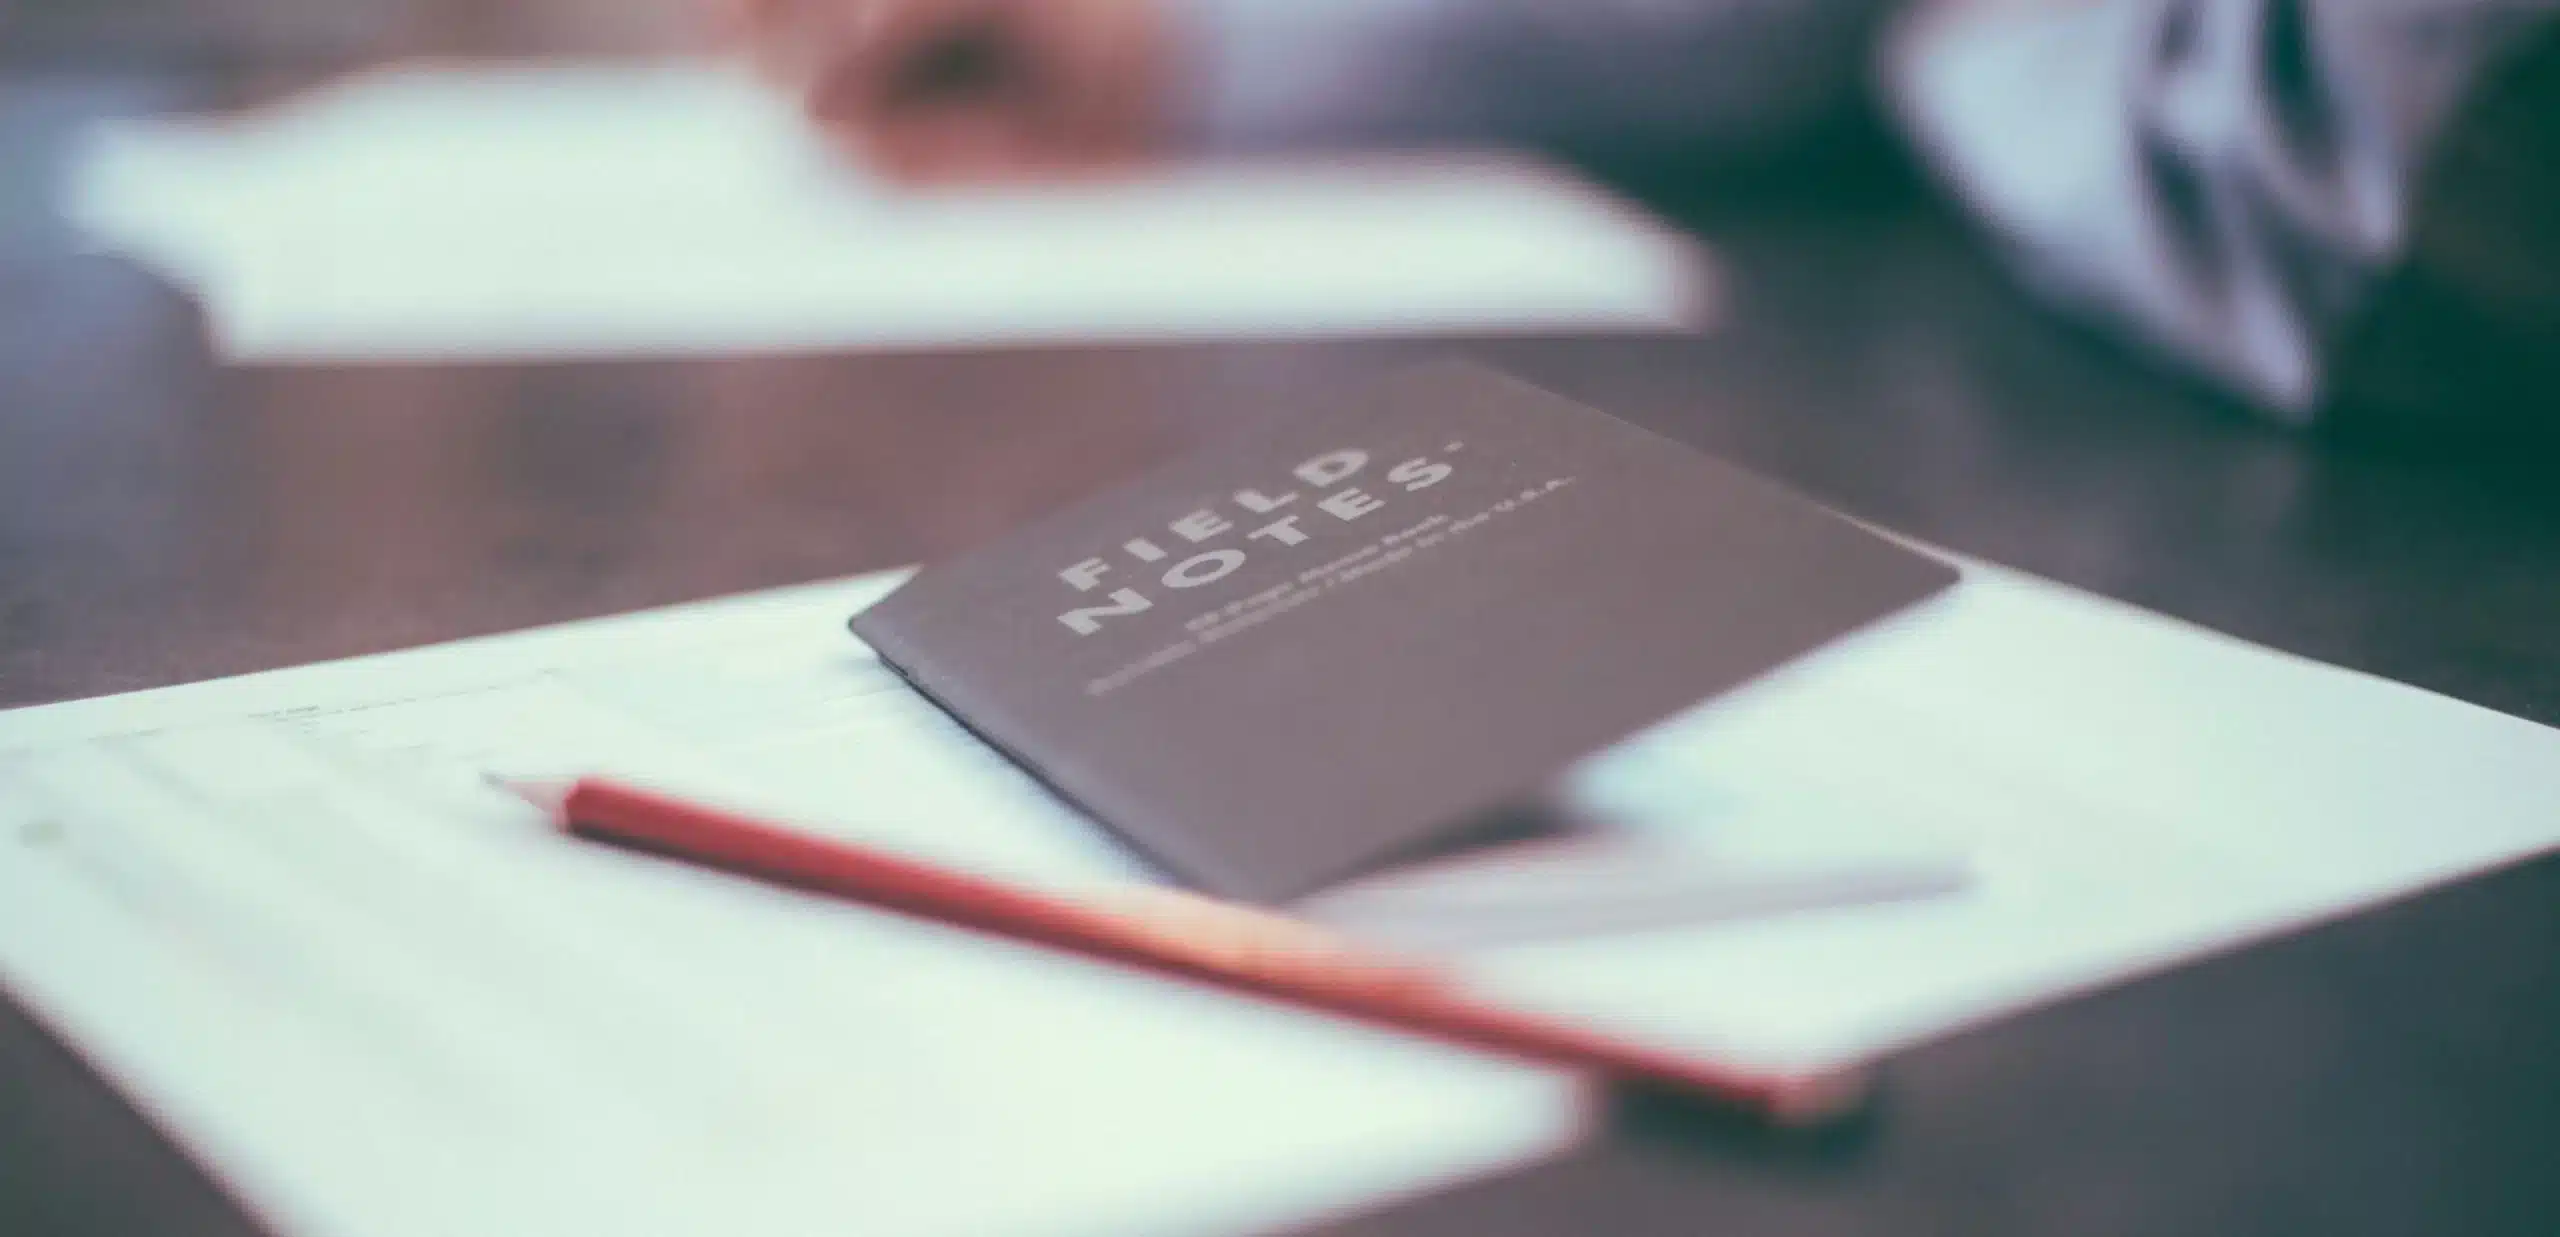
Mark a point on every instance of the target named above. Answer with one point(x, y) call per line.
point(1289, 660)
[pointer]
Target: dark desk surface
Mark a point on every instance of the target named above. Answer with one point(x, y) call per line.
point(164, 518)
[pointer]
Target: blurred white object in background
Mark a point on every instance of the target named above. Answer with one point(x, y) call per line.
point(454, 210)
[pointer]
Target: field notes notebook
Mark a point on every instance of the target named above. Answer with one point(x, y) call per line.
point(1283, 661)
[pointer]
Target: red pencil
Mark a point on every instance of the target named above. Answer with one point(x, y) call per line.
point(1231, 947)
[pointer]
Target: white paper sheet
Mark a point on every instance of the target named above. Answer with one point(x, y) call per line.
point(2135, 792)
point(381, 1000)
point(475, 210)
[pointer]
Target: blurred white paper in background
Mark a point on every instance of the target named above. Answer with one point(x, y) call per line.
point(434, 211)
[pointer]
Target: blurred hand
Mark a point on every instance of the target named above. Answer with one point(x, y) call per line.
point(941, 90)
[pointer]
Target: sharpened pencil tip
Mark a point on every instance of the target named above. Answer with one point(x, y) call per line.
point(547, 795)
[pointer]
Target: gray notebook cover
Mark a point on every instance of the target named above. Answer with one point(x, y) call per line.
point(1283, 661)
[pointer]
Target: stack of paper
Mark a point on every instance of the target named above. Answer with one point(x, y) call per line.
point(378, 998)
